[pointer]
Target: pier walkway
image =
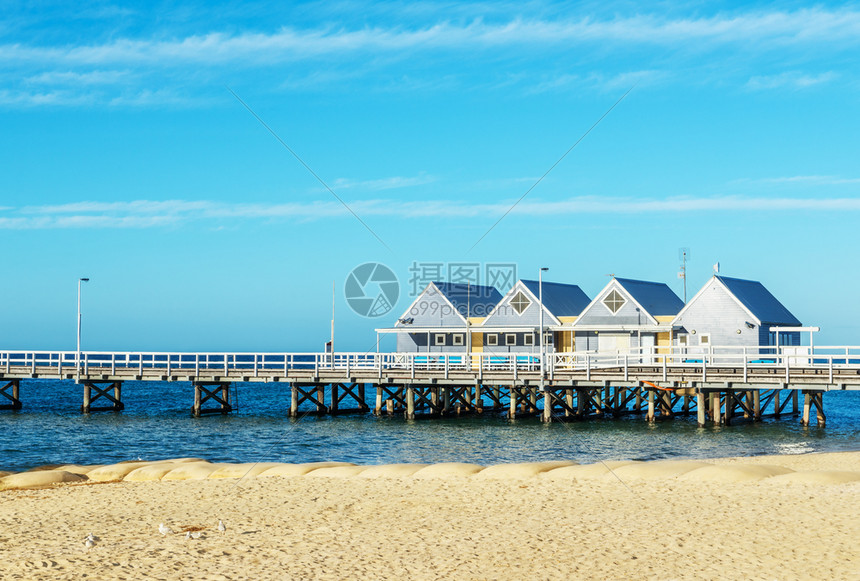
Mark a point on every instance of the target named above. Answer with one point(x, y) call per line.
point(716, 383)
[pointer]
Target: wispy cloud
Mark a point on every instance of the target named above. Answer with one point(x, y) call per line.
point(792, 80)
point(391, 183)
point(152, 214)
point(573, 53)
point(289, 44)
point(815, 180)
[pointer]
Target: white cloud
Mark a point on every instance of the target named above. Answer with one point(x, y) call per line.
point(154, 213)
point(815, 180)
point(775, 29)
point(76, 78)
point(391, 183)
point(792, 80)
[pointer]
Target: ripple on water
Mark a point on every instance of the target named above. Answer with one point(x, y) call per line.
point(157, 423)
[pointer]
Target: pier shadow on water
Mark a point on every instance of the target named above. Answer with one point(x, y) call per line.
point(157, 423)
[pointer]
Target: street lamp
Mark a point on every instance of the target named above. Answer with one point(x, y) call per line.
point(78, 353)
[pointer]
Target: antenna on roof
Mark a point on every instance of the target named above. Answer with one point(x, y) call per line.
point(684, 256)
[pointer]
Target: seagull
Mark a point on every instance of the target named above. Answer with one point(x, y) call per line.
point(221, 528)
point(187, 535)
point(164, 529)
point(91, 537)
point(89, 543)
point(196, 535)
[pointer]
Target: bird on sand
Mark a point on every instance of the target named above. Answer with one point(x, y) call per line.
point(91, 537)
point(221, 528)
point(164, 529)
point(89, 543)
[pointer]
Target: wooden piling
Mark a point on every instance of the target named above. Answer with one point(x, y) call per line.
point(14, 397)
point(756, 405)
point(807, 405)
point(410, 402)
point(377, 409)
point(715, 408)
point(294, 401)
point(512, 412)
point(547, 406)
point(650, 417)
point(700, 408)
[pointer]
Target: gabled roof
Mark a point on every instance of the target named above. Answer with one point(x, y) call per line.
point(655, 297)
point(562, 300)
point(478, 299)
point(758, 301)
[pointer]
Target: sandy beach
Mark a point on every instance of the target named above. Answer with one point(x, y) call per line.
point(780, 517)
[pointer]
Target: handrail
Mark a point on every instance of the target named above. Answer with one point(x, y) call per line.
point(706, 359)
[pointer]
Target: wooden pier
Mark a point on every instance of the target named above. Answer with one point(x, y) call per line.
point(719, 386)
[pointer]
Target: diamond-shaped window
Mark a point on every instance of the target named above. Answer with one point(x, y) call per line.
point(520, 303)
point(614, 301)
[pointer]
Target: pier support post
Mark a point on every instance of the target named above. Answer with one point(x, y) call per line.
point(650, 417)
point(568, 394)
point(377, 408)
point(14, 385)
point(512, 412)
point(807, 405)
point(335, 400)
point(204, 391)
point(756, 405)
point(294, 401)
point(794, 407)
point(547, 406)
point(410, 402)
point(776, 407)
point(479, 399)
point(101, 390)
point(730, 407)
point(813, 399)
point(715, 408)
point(446, 400)
point(700, 408)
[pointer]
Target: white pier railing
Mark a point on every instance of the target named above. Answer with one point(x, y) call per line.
point(253, 364)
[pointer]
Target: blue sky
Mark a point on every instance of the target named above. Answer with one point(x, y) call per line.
point(126, 158)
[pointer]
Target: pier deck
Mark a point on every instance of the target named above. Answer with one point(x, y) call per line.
point(570, 385)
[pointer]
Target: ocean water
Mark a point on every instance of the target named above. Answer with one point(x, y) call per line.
point(157, 424)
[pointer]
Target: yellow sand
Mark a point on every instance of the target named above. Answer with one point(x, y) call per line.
point(792, 517)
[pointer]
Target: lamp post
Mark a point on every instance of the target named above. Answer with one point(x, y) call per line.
point(78, 352)
point(547, 404)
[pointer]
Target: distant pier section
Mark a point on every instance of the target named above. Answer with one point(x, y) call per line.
point(718, 385)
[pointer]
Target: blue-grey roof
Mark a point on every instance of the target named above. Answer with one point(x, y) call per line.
point(759, 301)
point(479, 299)
point(562, 300)
point(655, 297)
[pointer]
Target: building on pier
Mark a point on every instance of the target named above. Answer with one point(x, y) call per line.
point(442, 319)
point(736, 312)
point(627, 314)
point(512, 325)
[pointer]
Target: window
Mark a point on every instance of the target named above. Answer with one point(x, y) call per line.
point(458, 339)
point(492, 340)
point(520, 303)
point(439, 339)
point(529, 339)
point(510, 339)
point(614, 301)
point(704, 339)
point(682, 340)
